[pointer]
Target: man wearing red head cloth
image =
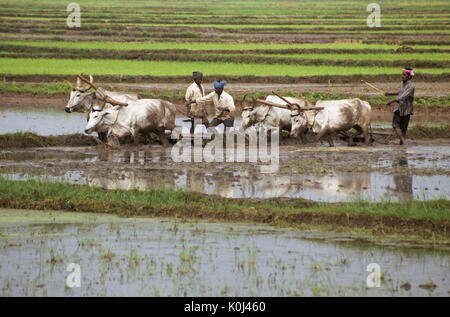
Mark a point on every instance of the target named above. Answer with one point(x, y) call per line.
point(403, 108)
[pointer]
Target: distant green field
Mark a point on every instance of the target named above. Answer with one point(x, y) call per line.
point(227, 38)
point(162, 68)
point(376, 56)
point(213, 46)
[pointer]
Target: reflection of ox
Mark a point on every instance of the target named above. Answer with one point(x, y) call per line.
point(326, 188)
point(125, 180)
point(337, 115)
point(128, 180)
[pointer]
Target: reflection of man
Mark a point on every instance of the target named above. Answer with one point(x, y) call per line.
point(404, 104)
point(195, 181)
point(196, 91)
point(223, 105)
point(403, 182)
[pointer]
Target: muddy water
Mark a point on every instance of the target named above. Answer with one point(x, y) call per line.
point(156, 257)
point(51, 121)
point(41, 121)
point(315, 173)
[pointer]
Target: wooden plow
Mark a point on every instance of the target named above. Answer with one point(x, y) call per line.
point(381, 137)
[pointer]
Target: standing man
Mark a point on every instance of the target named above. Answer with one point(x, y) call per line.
point(196, 91)
point(223, 105)
point(403, 108)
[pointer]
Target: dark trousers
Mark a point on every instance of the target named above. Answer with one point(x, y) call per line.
point(400, 121)
point(205, 122)
point(228, 123)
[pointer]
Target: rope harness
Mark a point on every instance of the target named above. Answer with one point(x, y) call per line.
point(119, 124)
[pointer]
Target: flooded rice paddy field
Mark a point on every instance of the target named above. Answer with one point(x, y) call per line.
point(160, 257)
point(166, 257)
point(380, 173)
point(419, 170)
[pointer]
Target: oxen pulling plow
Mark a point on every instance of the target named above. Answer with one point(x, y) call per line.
point(324, 118)
point(115, 115)
point(115, 119)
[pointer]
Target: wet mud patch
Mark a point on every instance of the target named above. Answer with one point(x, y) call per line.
point(29, 139)
point(320, 173)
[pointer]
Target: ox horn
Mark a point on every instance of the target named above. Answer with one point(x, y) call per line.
point(80, 85)
point(105, 97)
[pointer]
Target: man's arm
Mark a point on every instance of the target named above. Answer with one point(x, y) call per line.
point(188, 96)
point(229, 106)
point(207, 98)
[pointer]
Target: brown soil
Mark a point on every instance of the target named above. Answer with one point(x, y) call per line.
point(222, 35)
point(33, 140)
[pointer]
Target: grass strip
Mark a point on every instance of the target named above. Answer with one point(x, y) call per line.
point(425, 218)
point(210, 46)
point(167, 68)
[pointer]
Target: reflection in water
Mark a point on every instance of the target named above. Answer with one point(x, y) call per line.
point(145, 168)
point(340, 187)
point(403, 182)
point(285, 261)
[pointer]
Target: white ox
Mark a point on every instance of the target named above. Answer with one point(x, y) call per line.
point(81, 100)
point(273, 117)
point(269, 118)
point(140, 116)
point(337, 115)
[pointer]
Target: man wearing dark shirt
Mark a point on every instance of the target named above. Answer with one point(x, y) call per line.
point(403, 108)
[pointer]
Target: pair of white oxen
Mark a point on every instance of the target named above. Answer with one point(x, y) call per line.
point(155, 115)
point(112, 122)
point(336, 115)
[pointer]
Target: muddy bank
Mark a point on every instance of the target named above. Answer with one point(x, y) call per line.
point(428, 110)
point(28, 139)
point(31, 140)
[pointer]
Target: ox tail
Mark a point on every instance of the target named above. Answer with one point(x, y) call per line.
point(168, 110)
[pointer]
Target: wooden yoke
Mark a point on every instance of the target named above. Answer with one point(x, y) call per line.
point(290, 105)
point(268, 103)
